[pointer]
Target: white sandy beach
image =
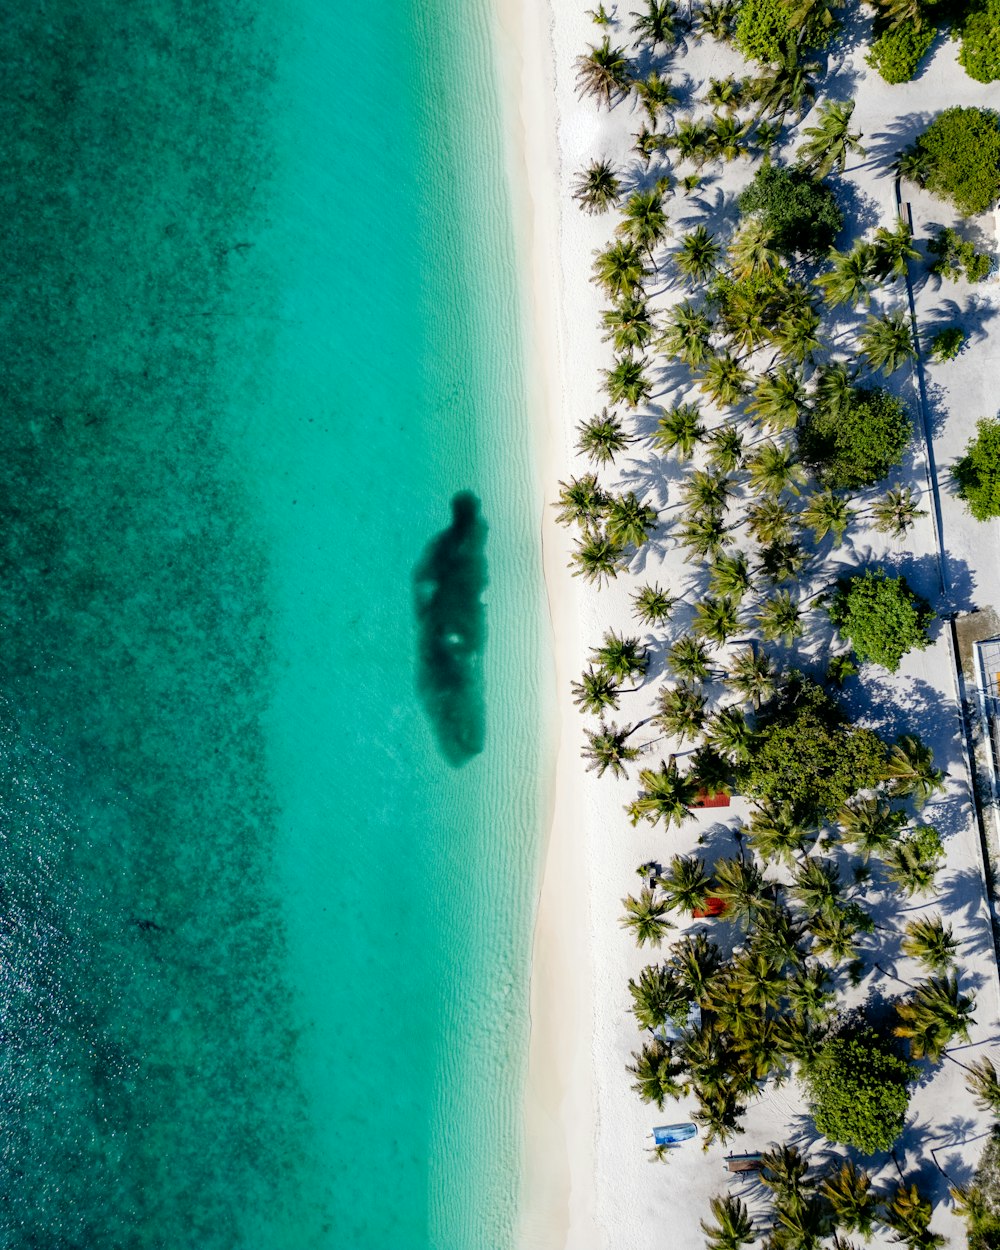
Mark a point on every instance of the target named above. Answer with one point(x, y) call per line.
point(587, 1181)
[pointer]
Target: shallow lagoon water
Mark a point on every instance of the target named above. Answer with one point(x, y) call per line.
point(266, 944)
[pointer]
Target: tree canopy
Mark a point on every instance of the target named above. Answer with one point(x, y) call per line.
point(961, 151)
point(881, 616)
point(978, 472)
point(858, 443)
point(859, 1092)
point(980, 54)
point(797, 209)
point(805, 753)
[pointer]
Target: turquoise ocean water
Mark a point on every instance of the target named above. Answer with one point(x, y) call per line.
point(265, 910)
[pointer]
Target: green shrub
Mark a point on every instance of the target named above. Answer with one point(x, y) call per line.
point(946, 344)
point(980, 52)
point(859, 1092)
point(961, 150)
point(880, 616)
point(897, 53)
point(798, 209)
point(978, 472)
point(762, 29)
point(956, 255)
point(857, 446)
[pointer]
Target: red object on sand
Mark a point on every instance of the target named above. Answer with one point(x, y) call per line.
point(713, 907)
point(704, 799)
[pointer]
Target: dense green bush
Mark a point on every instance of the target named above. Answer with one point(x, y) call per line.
point(897, 53)
point(762, 29)
point(978, 472)
point(880, 616)
point(961, 154)
point(956, 256)
point(859, 1092)
point(805, 752)
point(979, 1202)
point(947, 344)
point(980, 53)
point(856, 446)
point(798, 209)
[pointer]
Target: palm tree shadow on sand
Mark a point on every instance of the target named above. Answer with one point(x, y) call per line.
point(448, 585)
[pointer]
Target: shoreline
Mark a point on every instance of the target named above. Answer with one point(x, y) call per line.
point(558, 1177)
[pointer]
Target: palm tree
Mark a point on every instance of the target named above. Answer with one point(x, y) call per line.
point(679, 430)
point(719, 1112)
point(716, 619)
point(581, 501)
point(666, 795)
point(851, 278)
point(752, 251)
point(801, 1226)
point(743, 887)
point(809, 993)
point(910, 770)
point(657, 996)
point(652, 605)
point(644, 220)
point(717, 17)
point(688, 659)
point(780, 618)
point(628, 323)
point(656, 24)
point(733, 1226)
point(725, 137)
point(914, 163)
point(834, 388)
point(984, 1083)
point(759, 983)
point(770, 521)
point(596, 691)
point(886, 342)
point(728, 733)
point(753, 676)
point(908, 1213)
point(829, 143)
point(627, 382)
point(729, 576)
point(607, 748)
point(826, 513)
point(604, 72)
point(704, 536)
point(774, 469)
point(596, 188)
point(928, 940)
point(712, 771)
point(656, 94)
point(702, 490)
point(602, 438)
point(913, 865)
point(680, 711)
point(778, 399)
point(796, 334)
point(777, 832)
point(698, 256)
point(869, 825)
point(817, 887)
point(646, 918)
point(596, 558)
point(619, 269)
point(724, 93)
point(724, 380)
point(629, 522)
point(835, 935)
point(725, 449)
point(691, 141)
point(696, 960)
point(656, 1072)
point(934, 1015)
point(622, 657)
point(785, 87)
point(786, 1173)
point(896, 511)
point(781, 562)
point(686, 335)
point(894, 250)
point(686, 885)
point(849, 1193)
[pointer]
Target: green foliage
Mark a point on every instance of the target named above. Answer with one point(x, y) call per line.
point(897, 53)
point(858, 443)
point(979, 1203)
point(956, 256)
point(797, 210)
point(946, 344)
point(859, 1092)
point(980, 53)
point(763, 29)
point(805, 753)
point(881, 616)
point(978, 472)
point(962, 153)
